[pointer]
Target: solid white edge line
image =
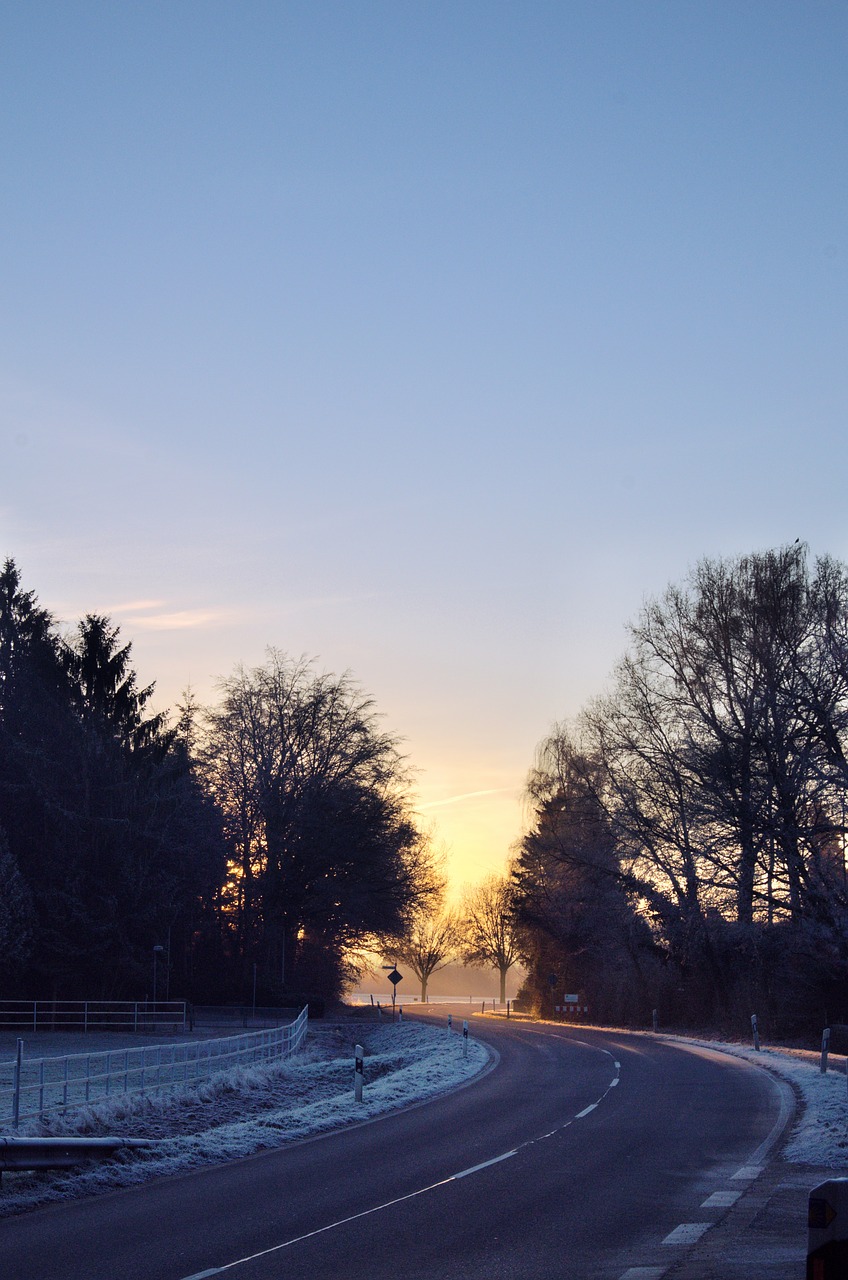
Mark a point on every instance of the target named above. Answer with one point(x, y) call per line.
point(475, 1168)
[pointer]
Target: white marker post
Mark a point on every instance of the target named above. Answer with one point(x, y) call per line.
point(358, 1072)
point(450, 1022)
point(16, 1088)
point(464, 1038)
point(655, 1020)
point(825, 1047)
point(755, 1032)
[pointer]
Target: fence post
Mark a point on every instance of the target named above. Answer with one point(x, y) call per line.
point(16, 1100)
point(755, 1032)
point(825, 1047)
point(465, 1038)
point(358, 1072)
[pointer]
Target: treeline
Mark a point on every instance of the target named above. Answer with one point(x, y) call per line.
point(258, 845)
point(687, 844)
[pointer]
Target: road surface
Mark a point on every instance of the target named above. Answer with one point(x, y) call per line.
point(583, 1154)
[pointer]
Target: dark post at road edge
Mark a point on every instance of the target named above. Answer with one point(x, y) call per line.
point(827, 1249)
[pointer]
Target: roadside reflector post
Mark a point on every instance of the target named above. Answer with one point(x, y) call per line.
point(400, 1013)
point(358, 1072)
point(16, 1095)
point(655, 1019)
point(755, 1032)
point(507, 1008)
point(464, 1038)
point(450, 1022)
point(825, 1047)
point(827, 1249)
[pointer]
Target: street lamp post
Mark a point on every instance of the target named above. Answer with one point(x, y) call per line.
point(156, 951)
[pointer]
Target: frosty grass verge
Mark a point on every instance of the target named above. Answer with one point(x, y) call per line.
point(251, 1109)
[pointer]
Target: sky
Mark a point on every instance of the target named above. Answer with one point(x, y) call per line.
point(428, 339)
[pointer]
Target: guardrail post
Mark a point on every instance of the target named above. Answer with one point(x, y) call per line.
point(358, 1072)
point(755, 1032)
point(825, 1047)
point(16, 1099)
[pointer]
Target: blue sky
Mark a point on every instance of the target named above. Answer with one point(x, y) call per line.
point(427, 338)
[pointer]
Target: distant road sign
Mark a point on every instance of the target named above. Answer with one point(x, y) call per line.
point(571, 999)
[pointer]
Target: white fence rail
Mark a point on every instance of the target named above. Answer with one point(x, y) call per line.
point(93, 1015)
point(31, 1087)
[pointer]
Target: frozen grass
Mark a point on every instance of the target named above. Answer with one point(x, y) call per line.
point(251, 1109)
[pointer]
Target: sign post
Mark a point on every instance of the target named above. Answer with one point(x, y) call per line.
point(394, 978)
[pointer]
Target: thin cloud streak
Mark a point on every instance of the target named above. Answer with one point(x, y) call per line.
point(182, 620)
point(466, 795)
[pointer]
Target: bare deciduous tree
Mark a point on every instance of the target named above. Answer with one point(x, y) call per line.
point(429, 943)
point(489, 937)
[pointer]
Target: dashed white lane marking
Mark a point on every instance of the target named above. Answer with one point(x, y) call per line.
point(747, 1173)
point(475, 1168)
point(464, 1173)
point(614, 1082)
point(721, 1200)
point(687, 1233)
point(644, 1273)
point(275, 1248)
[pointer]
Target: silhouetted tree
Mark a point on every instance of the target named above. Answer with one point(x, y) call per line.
point(489, 937)
point(429, 943)
point(317, 811)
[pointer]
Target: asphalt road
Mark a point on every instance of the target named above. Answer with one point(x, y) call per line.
point(595, 1148)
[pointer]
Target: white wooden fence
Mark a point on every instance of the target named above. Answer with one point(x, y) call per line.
point(31, 1087)
point(93, 1015)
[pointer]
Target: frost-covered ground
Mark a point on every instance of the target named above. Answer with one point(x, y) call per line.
point(251, 1109)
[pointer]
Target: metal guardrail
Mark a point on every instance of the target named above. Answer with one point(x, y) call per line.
point(94, 1015)
point(60, 1153)
point(31, 1087)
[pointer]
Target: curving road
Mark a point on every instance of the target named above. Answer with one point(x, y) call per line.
point(583, 1154)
